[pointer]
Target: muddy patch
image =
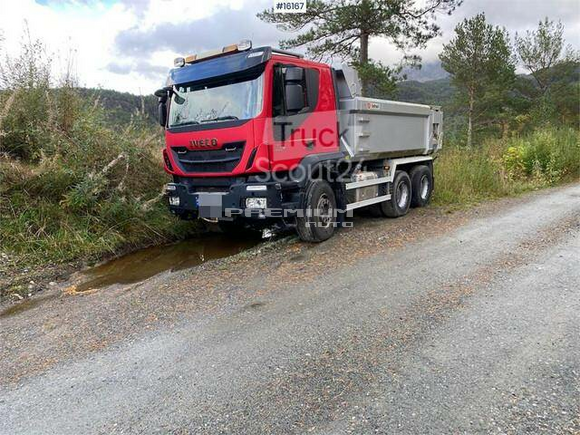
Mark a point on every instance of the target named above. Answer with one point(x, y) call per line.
point(26, 305)
point(144, 264)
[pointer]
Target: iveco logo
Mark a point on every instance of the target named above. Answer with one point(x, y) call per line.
point(204, 143)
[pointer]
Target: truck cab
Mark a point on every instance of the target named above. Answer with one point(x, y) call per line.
point(248, 132)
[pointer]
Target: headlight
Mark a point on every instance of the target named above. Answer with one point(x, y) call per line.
point(256, 203)
point(174, 200)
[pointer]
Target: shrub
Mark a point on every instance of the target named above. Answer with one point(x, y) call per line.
point(501, 167)
point(71, 185)
point(546, 156)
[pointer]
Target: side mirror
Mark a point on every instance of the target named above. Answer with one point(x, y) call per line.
point(162, 113)
point(294, 97)
point(294, 74)
point(162, 106)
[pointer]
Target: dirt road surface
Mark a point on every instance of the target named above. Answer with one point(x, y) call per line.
point(439, 322)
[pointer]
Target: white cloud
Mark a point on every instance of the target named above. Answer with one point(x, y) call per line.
point(127, 44)
point(90, 28)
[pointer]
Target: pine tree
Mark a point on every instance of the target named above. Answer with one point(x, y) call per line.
point(481, 65)
point(344, 28)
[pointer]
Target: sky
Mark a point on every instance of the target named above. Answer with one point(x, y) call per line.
point(129, 45)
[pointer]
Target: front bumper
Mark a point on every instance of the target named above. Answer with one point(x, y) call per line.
point(228, 203)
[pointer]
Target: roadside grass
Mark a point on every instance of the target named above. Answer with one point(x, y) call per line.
point(504, 167)
point(77, 189)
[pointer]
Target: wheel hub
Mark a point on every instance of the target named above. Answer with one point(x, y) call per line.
point(324, 211)
point(402, 195)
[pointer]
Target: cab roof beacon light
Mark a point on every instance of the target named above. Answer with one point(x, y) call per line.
point(243, 45)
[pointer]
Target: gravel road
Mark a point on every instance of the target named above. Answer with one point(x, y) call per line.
point(463, 322)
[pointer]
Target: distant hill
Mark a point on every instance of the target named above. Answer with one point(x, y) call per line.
point(428, 71)
point(121, 106)
point(435, 92)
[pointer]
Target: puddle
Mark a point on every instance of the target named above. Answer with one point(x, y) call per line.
point(25, 305)
point(143, 264)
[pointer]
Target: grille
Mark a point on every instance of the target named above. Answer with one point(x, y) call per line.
point(224, 159)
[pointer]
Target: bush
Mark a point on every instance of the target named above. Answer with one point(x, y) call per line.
point(546, 156)
point(71, 185)
point(509, 166)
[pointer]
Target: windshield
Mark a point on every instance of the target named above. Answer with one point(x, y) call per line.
point(216, 102)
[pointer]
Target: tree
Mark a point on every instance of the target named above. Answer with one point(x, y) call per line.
point(481, 65)
point(541, 49)
point(343, 28)
point(554, 69)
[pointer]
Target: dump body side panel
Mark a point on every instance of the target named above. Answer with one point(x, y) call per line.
point(375, 128)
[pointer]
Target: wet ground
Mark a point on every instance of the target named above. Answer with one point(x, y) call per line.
point(141, 265)
point(144, 264)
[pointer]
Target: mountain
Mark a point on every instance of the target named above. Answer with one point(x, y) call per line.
point(428, 71)
point(435, 92)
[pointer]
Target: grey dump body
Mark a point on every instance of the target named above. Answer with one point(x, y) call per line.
point(374, 129)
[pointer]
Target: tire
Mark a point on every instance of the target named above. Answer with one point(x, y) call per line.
point(401, 195)
point(422, 185)
point(319, 221)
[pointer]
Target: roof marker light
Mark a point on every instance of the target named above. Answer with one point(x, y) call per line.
point(244, 45)
point(229, 48)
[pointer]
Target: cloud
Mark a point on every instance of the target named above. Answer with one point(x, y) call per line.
point(224, 27)
point(142, 67)
point(130, 44)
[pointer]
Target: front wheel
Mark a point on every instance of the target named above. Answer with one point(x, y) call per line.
point(319, 220)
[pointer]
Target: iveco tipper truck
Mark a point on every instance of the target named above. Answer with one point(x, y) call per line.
point(260, 137)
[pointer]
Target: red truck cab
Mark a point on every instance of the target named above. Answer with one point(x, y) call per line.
point(238, 123)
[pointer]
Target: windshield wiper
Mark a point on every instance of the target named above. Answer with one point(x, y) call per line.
point(185, 123)
point(222, 118)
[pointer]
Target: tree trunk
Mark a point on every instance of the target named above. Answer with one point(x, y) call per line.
point(470, 120)
point(364, 59)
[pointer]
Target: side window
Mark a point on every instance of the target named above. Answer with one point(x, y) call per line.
point(295, 95)
point(290, 80)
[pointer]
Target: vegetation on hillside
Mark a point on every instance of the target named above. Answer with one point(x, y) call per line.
point(501, 167)
point(489, 101)
point(123, 108)
point(72, 185)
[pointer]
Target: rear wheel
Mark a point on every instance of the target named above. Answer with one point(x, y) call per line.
point(400, 200)
point(319, 220)
point(422, 185)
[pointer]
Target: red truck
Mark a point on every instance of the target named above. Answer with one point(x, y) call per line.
point(260, 137)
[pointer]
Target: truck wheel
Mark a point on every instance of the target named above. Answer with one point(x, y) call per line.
point(422, 185)
point(400, 200)
point(319, 221)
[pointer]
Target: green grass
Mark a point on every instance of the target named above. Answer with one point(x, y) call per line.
point(78, 188)
point(503, 167)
